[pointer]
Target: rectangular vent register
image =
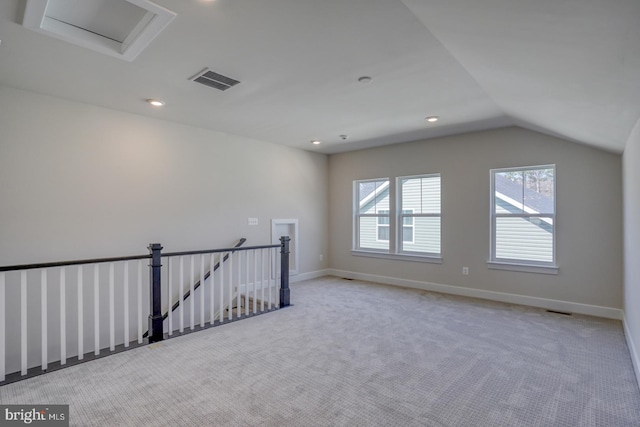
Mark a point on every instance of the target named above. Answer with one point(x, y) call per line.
point(214, 80)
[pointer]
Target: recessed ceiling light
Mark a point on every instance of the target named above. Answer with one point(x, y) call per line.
point(315, 142)
point(344, 137)
point(365, 79)
point(432, 119)
point(156, 102)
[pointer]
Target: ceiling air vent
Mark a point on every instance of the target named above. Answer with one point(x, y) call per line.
point(214, 80)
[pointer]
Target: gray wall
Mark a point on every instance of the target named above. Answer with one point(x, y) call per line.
point(589, 218)
point(631, 169)
point(81, 181)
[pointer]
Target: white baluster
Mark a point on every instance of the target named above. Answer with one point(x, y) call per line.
point(2, 328)
point(140, 302)
point(239, 287)
point(221, 315)
point(255, 280)
point(43, 318)
point(170, 291)
point(96, 310)
point(262, 268)
point(23, 322)
point(246, 283)
point(180, 302)
point(125, 295)
point(192, 294)
point(230, 285)
point(63, 316)
point(211, 284)
point(112, 312)
point(202, 291)
point(270, 275)
point(80, 316)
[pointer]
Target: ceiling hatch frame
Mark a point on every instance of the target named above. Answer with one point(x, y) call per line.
point(153, 22)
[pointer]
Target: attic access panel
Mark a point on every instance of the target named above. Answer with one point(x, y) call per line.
point(120, 28)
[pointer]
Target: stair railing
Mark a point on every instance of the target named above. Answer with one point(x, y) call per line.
point(48, 327)
point(197, 284)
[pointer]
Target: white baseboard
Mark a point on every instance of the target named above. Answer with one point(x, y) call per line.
point(308, 276)
point(549, 304)
point(635, 357)
point(248, 287)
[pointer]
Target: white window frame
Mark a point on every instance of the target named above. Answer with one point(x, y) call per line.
point(412, 215)
point(522, 264)
point(357, 216)
point(395, 224)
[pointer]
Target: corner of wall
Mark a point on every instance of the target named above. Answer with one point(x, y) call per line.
point(633, 352)
point(631, 210)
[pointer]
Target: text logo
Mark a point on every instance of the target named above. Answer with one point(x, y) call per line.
point(34, 415)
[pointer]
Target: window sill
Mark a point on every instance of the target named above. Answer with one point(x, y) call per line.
point(402, 257)
point(525, 268)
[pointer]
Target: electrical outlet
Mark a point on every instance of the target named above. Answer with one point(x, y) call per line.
point(465, 271)
point(321, 257)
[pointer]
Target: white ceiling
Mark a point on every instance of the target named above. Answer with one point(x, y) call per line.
point(569, 68)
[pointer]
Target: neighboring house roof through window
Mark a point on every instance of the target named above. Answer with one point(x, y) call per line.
point(513, 190)
point(367, 188)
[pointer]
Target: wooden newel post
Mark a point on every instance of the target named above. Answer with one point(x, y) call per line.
point(155, 301)
point(284, 272)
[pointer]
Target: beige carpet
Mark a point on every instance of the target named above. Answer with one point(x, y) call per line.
point(359, 354)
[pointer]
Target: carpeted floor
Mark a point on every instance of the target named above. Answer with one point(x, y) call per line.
point(359, 354)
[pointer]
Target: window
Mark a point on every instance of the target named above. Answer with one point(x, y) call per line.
point(371, 215)
point(523, 216)
point(419, 201)
point(401, 224)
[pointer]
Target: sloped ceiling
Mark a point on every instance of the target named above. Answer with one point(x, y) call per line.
point(569, 68)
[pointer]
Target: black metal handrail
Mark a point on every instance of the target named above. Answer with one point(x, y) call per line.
point(77, 262)
point(214, 251)
point(129, 258)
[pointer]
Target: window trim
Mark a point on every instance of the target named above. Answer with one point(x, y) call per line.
point(400, 246)
point(406, 256)
point(515, 264)
point(394, 250)
point(357, 215)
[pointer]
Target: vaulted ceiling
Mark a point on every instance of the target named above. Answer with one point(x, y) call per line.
point(569, 68)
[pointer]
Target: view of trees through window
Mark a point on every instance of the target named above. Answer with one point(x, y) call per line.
point(538, 180)
point(523, 215)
